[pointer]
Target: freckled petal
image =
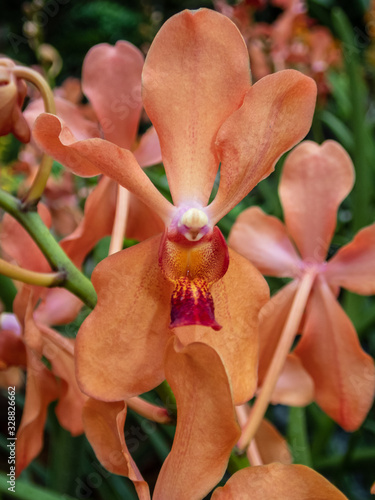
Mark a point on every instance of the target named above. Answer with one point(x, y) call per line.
point(104, 428)
point(111, 79)
point(148, 150)
point(294, 387)
point(353, 266)
point(41, 390)
point(272, 319)
point(120, 346)
point(206, 428)
point(276, 114)
point(271, 444)
point(314, 182)
point(196, 73)
point(329, 349)
point(95, 156)
point(237, 297)
point(284, 482)
point(264, 240)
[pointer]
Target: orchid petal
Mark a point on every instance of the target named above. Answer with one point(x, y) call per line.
point(98, 220)
point(57, 307)
point(206, 428)
point(238, 297)
point(142, 222)
point(353, 266)
point(272, 319)
point(284, 482)
point(264, 240)
point(329, 349)
point(104, 428)
point(111, 79)
point(70, 114)
point(275, 115)
point(41, 390)
point(148, 151)
point(120, 346)
point(95, 156)
point(271, 445)
point(294, 387)
point(193, 80)
point(314, 182)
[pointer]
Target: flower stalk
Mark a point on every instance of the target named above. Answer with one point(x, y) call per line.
point(31, 277)
point(285, 343)
point(35, 192)
point(119, 225)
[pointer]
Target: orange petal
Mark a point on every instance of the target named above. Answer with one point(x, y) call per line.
point(353, 266)
point(69, 113)
point(284, 482)
point(57, 307)
point(294, 386)
point(329, 349)
point(271, 445)
point(14, 239)
point(276, 114)
point(98, 220)
point(142, 222)
point(60, 353)
point(314, 182)
point(111, 79)
point(148, 151)
point(238, 297)
point(104, 428)
point(95, 156)
point(272, 319)
point(120, 346)
point(264, 240)
point(12, 348)
point(206, 428)
point(41, 390)
point(195, 75)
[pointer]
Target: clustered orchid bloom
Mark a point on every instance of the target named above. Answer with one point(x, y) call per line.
point(315, 180)
point(197, 93)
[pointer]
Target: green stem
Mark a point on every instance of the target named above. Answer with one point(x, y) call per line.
point(27, 491)
point(237, 461)
point(75, 281)
point(297, 436)
point(165, 393)
point(358, 459)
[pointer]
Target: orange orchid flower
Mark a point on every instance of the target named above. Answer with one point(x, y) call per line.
point(314, 182)
point(12, 94)
point(197, 93)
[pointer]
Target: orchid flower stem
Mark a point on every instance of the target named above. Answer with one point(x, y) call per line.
point(119, 224)
point(75, 281)
point(31, 277)
point(285, 343)
point(36, 190)
point(297, 436)
point(149, 410)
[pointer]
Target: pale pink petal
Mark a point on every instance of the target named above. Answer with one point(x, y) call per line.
point(196, 74)
point(264, 240)
point(314, 182)
point(111, 79)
